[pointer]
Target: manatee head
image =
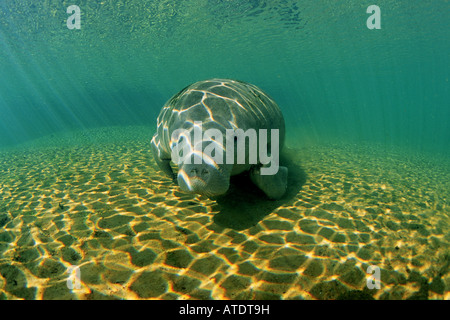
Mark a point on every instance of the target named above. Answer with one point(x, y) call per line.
point(204, 176)
point(199, 150)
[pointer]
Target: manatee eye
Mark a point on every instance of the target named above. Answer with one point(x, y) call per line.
point(204, 171)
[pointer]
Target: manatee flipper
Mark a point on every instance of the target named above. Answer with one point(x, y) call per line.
point(274, 186)
point(162, 160)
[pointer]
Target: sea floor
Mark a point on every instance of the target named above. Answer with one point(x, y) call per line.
point(94, 204)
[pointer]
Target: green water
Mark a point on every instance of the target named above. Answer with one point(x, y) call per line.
point(331, 75)
point(367, 114)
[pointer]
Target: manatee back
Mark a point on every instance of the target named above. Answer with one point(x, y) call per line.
point(219, 103)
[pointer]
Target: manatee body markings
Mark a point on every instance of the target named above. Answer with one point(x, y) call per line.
point(221, 106)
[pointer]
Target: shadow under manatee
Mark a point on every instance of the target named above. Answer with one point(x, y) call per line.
point(244, 205)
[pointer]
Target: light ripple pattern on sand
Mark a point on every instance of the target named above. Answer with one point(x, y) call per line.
point(96, 200)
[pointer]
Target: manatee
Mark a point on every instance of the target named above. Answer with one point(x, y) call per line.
point(214, 129)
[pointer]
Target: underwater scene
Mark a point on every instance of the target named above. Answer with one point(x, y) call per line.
point(97, 203)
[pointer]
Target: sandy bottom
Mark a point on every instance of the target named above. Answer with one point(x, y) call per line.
point(83, 204)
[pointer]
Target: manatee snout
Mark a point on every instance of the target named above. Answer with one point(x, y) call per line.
point(205, 179)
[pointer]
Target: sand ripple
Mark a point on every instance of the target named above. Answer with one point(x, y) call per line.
point(102, 205)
